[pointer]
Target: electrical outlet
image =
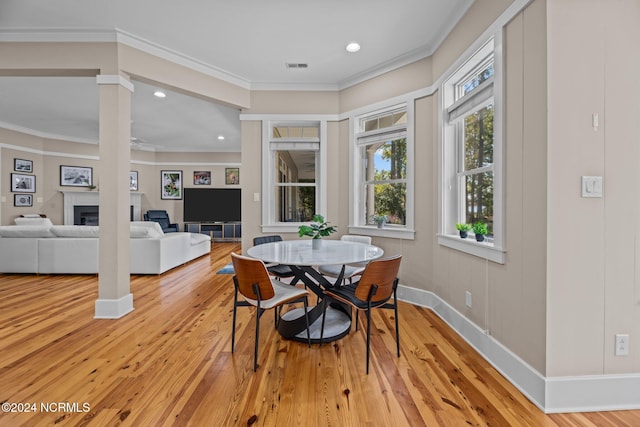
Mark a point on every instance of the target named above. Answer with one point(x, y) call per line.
point(467, 299)
point(622, 345)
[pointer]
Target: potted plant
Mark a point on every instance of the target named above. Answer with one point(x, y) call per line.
point(381, 220)
point(463, 229)
point(318, 229)
point(480, 229)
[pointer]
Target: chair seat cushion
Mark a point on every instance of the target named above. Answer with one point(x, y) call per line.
point(280, 270)
point(334, 270)
point(283, 293)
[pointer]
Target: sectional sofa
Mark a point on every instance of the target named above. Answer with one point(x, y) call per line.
point(35, 245)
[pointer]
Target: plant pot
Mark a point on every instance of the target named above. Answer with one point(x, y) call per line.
point(463, 234)
point(316, 243)
point(381, 225)
point(480, 237)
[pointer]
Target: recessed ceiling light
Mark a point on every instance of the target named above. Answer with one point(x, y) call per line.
point(220, 137)
point(353, 47)
point(160, 94)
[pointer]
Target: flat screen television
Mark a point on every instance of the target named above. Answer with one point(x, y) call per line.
point(212, 204)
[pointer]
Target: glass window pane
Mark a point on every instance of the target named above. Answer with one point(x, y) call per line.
point(479, 199)
point(295, 204)
point(295, 132)
point(311, 132)
point(295, 166)
point(384, 121)
point(280, 132)
point(386, 199)
point(474, 81)
point(386, 160)
point(370, 125)
point(400, 118)
point(478, 138)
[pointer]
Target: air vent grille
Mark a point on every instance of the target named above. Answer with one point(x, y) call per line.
point(297, 65)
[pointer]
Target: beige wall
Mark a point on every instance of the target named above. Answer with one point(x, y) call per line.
point(592, 250)
point(48, 155)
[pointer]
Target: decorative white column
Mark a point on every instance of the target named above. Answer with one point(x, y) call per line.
point(114, 295)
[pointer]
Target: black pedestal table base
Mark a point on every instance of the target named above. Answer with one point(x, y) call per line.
point(292, 324)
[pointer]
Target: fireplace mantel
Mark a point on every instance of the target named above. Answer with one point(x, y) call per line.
point(90, 198)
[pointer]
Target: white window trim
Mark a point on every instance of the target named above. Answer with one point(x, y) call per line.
point(493, 249)
point(269, 223)
point(355, 224)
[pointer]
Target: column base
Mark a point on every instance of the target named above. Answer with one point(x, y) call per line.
point(114, 308)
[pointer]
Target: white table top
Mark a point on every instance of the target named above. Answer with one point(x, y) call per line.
point(299, 252)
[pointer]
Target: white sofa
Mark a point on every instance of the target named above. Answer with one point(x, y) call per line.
point(34, 245)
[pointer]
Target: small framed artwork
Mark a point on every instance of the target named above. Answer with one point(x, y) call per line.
point(23, 183)
point(76, 176)
point(232, 176)
point(23, 199)
point(171, 182)
point(202, 178)
point(21, 165)
point(133, 180)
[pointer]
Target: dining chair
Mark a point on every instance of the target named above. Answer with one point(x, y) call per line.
point(280, 271)
point(378, 283)
point(258, 289)
point(350, 270)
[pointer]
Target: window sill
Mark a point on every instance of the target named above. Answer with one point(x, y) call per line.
point(388, 232)
point(484, 250)
point(284, 227)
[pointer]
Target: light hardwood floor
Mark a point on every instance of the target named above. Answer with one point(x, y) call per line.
point(169, 362)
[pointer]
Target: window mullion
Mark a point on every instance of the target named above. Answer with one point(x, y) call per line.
point(476, 171)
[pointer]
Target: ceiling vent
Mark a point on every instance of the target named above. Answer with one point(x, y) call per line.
point(296, 65)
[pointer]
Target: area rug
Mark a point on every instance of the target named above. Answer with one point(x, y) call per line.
point(227, 269)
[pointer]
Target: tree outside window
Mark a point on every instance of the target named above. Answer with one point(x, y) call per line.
point(385, 187)
point(477, 169)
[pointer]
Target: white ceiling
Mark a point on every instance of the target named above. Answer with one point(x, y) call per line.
point(247, 42)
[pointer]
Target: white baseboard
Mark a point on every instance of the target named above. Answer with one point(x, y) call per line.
point(551, 395)
point(114, 308)
point(593, 393)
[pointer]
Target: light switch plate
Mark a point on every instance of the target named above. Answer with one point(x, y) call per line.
point(591, 186)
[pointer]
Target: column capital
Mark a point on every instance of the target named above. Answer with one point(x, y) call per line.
point(114, 79)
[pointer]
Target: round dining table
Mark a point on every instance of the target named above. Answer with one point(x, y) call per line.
point(303, 259)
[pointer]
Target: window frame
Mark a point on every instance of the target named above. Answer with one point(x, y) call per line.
point(270, 146)
point(451, 203)
point(357, 179)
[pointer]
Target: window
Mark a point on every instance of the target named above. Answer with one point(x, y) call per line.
point(381, 172)
point(292, 156)
point(471, 187)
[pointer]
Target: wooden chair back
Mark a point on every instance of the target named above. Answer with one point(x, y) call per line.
point(381, 273)
point(250, 271)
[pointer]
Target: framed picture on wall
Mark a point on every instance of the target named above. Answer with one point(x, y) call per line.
point(202, 178)
point(23, 199)
point(171, 182)
point(232, 176)
point(76, 176)
point(23, 183)
point(133, 180)
point(21, 165)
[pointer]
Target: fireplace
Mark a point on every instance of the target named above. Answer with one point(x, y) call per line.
point(88, 215)
point(89, 199)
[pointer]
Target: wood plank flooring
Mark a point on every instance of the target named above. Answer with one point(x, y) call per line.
point(169, 363)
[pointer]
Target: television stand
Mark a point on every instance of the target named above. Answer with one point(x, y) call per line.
point(218, 231)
